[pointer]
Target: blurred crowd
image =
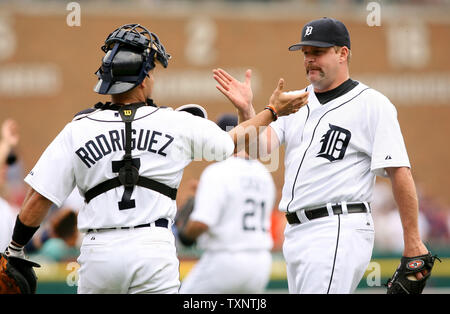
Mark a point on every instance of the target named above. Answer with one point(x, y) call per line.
point(59, 240)
point(434, 220)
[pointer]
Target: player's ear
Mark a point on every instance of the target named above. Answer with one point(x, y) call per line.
point(147, 79)
point(145, 82)
point(343, 53)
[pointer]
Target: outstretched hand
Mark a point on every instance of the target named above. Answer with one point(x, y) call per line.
point(286, 103)
point(239, 93)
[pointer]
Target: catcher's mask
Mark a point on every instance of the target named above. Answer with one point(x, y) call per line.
point(131, 51)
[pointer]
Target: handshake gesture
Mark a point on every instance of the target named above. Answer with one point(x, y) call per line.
point(240, 94)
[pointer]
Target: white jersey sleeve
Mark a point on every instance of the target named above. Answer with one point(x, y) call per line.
point(279, 127)
point(210, 197)
point(205, 140)
point(53, 175)
point(388, 146)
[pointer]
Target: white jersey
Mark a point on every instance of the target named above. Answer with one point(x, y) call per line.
point(164, 141)
point(334, 151)
point(235, 198)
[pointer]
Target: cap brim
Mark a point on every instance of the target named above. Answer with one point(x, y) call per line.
point(310, 43)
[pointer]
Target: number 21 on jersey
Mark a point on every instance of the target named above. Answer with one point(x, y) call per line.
point(254, 218)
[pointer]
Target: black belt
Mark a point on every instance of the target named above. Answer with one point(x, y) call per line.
point(320, 212)
point(161, 222)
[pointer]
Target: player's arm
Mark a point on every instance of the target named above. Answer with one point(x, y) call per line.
point(193, 229)
point(253, 127)
point(188, 230)
point(208, 205)
point(405, 195)
point(34, 209)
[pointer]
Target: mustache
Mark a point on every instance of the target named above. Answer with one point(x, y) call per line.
point(313, 67)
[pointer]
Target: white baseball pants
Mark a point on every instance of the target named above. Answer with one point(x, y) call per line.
point(229, 272)
point(140, 260)
point(328, 255)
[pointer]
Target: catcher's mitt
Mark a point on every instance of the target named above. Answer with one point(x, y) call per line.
point(17, 275)
point(404, 280)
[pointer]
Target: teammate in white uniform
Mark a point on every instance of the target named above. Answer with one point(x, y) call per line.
point(231, 222)
point(127, 160)
point(9, 139)
point(6, 224)
point(335, 146)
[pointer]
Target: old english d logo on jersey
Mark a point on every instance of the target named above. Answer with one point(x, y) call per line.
point(334, 143)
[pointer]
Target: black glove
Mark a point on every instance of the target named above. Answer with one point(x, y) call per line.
point(404, 280)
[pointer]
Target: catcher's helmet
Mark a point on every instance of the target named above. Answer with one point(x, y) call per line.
point(17, 275)
point(131, 51)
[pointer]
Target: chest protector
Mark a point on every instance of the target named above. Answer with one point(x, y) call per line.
point(128, 167)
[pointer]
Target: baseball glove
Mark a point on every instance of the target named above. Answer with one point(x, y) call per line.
point(17, 275)
point(404, 280)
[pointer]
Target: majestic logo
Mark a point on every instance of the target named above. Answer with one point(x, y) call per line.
point(308, 30)
point(334, 143)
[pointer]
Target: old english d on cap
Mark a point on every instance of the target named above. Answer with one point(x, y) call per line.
point(324, 32)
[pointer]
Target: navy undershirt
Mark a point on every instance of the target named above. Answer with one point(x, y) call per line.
point(342, 89)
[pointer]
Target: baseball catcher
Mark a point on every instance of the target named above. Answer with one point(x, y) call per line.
point(404, 280)
point(17, 275)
